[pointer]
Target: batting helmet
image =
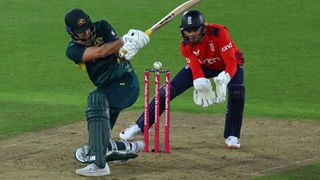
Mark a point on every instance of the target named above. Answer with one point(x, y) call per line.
point(77, 22)
point(191, 21)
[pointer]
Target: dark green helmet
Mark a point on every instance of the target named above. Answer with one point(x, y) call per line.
point(77, 22)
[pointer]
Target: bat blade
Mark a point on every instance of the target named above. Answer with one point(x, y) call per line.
point(178, 10)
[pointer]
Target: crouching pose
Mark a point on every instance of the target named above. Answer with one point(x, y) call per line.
point(210, 53)
point(97, 47)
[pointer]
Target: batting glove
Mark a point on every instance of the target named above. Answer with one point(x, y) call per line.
point(137, 36)
point(128, 50)
point(221, 82)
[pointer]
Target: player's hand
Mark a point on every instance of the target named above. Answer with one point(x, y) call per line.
point(128, 50)
point(221, 82)
point(137, 36)
point(203, 94)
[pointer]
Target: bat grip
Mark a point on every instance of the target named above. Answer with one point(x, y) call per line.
point(148, 32)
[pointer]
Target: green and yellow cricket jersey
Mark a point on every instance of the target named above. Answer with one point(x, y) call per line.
point(101, 71)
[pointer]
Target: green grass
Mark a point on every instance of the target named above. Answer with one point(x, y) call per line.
point(41, 88)
point(308, 172)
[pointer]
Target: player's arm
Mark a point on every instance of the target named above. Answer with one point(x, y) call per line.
point(128, 45)
point(97, 52)
point(203, 94)
point(227, 51)
point(193, 62)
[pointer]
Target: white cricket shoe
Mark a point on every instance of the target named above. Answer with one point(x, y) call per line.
point(94, 170)
point(130, 132)
point(232, 142)
point(137, 146)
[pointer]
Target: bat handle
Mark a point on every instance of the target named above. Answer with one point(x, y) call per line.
point(148, 32)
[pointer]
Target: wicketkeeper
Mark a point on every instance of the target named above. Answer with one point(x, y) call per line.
point(105, 56)
point(210, 54)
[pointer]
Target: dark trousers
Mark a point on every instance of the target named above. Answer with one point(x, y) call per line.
point(121, 94)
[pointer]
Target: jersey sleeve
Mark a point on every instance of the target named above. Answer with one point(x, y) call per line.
point(193, 61)
point(227, 51)
point(75, 52)
point(109, 31)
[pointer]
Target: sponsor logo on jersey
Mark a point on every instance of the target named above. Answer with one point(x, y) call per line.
point(226, 47)
point(210, 60)
point(98, 41)
point(196, 52)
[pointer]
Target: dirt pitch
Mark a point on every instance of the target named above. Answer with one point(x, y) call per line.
point(197, 150)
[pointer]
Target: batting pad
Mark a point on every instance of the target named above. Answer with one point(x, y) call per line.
point(99, 127)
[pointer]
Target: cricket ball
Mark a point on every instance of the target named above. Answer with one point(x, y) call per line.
point(157, 65)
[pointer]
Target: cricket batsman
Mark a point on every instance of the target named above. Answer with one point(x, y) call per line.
point(97, 46)
point(210, 54)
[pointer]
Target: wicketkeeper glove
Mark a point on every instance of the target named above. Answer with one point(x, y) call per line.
point(221, 82)
point(203, 95)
